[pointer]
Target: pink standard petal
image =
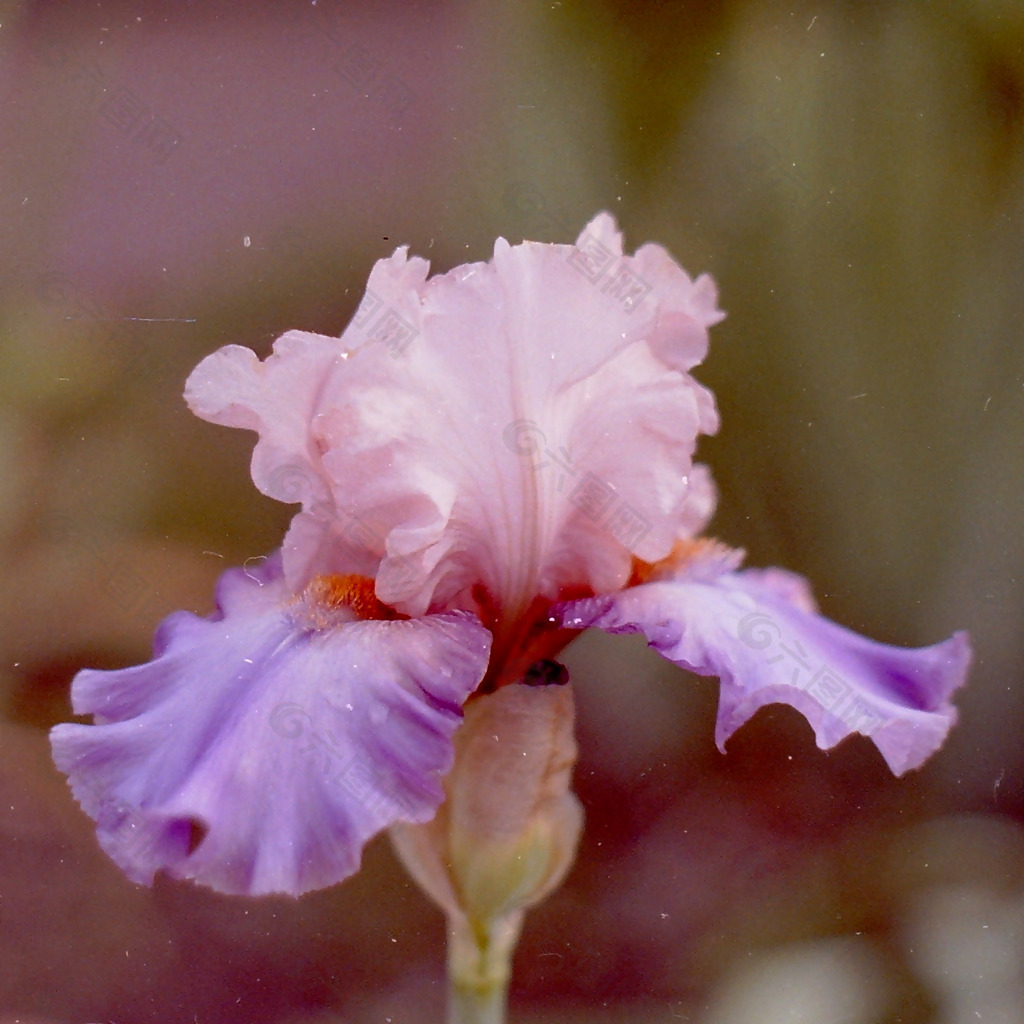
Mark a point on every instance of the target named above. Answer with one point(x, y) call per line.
point(756, 630)
point(261, 748)
point(526, 424)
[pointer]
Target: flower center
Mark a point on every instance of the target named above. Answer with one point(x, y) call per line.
point(334, 600)
point(690, 555)
point(521, 641)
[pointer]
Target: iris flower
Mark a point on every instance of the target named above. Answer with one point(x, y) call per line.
point(488, 462)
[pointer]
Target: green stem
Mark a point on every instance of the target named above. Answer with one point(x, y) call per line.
point(479, 968)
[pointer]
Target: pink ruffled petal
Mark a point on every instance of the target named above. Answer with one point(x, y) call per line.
point(758, 632)
point(701, 500)
point(279, 399)
point(261, 748)
point(526, 424)
point(680, 336)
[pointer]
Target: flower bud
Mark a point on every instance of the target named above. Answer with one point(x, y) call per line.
point(507, 832)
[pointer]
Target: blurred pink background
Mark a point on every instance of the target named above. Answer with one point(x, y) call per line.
point(173, 179)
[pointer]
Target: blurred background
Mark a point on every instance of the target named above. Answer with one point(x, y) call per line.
point(174, 178)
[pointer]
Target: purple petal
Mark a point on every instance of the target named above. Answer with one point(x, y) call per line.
point(757, 631)
point(262, 747)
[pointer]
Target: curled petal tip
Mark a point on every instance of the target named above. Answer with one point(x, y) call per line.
point(757, 631)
